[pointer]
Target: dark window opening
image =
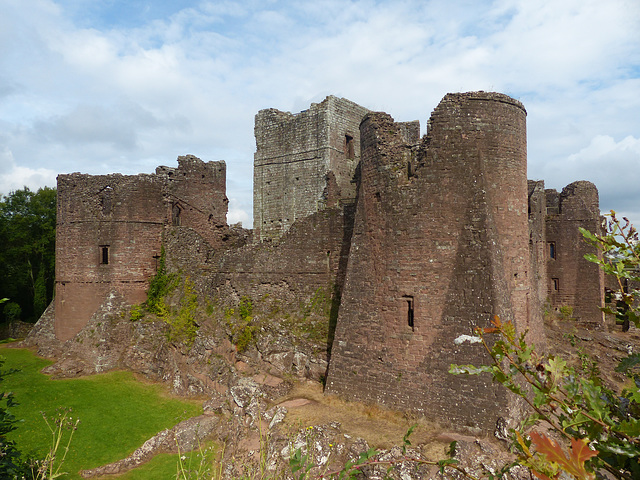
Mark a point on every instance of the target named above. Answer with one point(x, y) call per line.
point(556, 284)
point(349, 147)
point(552, 250)
point(175, 215)
point(608, 295)
point(105, 200)
point(104, 254)
point(410, 311)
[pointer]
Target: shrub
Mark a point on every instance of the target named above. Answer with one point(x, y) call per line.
point(161, 285)
point(136, 313)
point(182, 322)
point(566, 312)
point(12, 311)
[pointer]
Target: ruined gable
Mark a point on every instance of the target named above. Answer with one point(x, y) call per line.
point(572, 281)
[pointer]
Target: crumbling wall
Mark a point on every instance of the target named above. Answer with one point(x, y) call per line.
point(196, 196)
point(573, 281)
point(440, 245)
point(303, 162)
point(110, 229)
point(108, 236)
point(306, 263)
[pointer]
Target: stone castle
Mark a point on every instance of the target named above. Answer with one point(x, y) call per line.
point(416, 240)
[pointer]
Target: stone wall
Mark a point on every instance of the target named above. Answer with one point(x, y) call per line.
point(417, 241)
point(538, 245)
point(110, 228)
point(108, 237)
point(574, 282)
point(303, 162)
point(196, 196)
point(440, 245)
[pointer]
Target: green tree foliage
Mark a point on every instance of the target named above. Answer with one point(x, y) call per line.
point(620, 258)
point(602, 426)
point(27, 256)
point(11, 465)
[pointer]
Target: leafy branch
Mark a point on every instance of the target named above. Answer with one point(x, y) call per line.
point(576, 408)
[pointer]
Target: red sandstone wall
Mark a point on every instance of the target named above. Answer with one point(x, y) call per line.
point(449, 236)
point(572, 280)
point(538, 245)
point(125, 214)
point(196, 196)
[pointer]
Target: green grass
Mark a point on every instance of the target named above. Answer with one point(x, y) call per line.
point(164, 466)
point(117, 412)
point(161, 467)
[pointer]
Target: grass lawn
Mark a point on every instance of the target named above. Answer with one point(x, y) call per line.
point(117, 412)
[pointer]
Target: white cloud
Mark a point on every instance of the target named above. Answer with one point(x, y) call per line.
point(613, 166)
point(107, 94)
point(14, 177)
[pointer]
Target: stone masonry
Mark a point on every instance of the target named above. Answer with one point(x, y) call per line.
point(573, 282)
point(415, 241)
point(303, 162)
point(440, 246)
point(306, 162)
point(110, 227)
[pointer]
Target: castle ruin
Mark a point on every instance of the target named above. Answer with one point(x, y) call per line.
point(417, 241)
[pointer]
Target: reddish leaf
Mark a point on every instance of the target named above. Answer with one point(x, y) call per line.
point(542, 476)
point(574, 464)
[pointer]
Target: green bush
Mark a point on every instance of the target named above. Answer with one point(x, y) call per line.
point(182, 322)
point(136, 313)
point(12, 311)
point(161, 285)
point(566, 312)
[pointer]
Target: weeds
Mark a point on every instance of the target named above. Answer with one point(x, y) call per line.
point(62, 427)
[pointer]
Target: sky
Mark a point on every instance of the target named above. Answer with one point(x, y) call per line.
point(104, 86)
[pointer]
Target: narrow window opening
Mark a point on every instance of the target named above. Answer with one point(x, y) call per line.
point(410, 311)
point(556, 284)
point(349, 148)
point(104, 254)
point(105, 201)
point(175, 215)
point(552, 250)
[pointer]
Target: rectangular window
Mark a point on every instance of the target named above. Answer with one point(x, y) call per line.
point(552, 250)
point(556, 284)
point(410, 310)
point(349, 148)
point(104, 254)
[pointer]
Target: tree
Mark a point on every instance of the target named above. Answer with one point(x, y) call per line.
point(27, 257)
